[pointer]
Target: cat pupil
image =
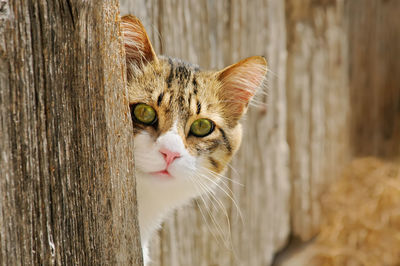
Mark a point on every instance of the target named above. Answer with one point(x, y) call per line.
point(203, 126)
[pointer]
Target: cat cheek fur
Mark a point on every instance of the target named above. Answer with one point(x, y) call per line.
point(147, 158)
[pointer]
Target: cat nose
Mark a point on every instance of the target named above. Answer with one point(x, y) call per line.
point(169, 156)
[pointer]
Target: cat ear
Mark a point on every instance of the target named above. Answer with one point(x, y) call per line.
point(138, 48)
point(240, 82)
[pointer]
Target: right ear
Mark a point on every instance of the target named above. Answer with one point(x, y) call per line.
point(138, 48)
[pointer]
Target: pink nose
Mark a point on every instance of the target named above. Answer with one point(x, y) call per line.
point(169, 156)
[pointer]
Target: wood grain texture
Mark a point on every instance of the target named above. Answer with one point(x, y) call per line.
point(374, 74)
point(318, 105)
point(67, 188)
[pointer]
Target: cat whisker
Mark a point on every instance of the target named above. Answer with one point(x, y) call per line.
point(216, 183)
point(227, 242)
point(270, 72)
point(227, 194)
point(200, 207)
point(234, 171)
point(204, 192)
point(201, 192)
point(230, 243)
point(218, 175)
point(239, 212)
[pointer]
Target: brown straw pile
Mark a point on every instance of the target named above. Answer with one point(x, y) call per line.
point(361, 217)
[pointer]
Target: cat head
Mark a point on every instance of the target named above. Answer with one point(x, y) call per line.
point(185, 120)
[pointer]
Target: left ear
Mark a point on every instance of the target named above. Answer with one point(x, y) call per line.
point(138, 47)
point(239, 83)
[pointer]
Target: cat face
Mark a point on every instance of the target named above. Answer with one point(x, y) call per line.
point(189, 134)
point(185, 120)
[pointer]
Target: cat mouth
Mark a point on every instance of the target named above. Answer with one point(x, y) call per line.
point(163, 174)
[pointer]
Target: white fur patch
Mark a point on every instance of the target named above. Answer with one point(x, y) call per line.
point(157, 197)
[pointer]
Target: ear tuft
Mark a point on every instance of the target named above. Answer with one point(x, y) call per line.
point(138, 48)
point(240, 82)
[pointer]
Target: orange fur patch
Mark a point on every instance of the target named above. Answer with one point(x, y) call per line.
point(240, 82)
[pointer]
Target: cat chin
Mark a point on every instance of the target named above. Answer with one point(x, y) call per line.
point(157, 198)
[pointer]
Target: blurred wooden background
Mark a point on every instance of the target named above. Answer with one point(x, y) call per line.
point(333, 94)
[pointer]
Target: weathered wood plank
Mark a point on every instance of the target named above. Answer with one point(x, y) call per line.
point(374, 75)
point(318, 105)
point(67, 189)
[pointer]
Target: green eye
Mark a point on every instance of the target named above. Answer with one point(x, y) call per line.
point(202, 127)
point(144, 113)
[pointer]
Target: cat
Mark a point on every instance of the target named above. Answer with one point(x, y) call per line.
point(185, 124)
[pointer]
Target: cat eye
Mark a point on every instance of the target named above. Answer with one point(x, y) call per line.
point(144, 113)
point(202, 127)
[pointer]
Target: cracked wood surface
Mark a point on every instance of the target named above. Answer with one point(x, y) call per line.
point(67, 188)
